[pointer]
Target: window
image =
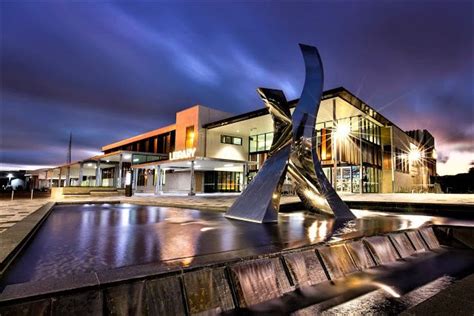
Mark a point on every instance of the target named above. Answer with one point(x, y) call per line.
point(189, 137)
point(401, 161)
point(260, 142)
point(231, 140)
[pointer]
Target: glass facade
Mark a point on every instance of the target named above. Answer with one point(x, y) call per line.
point(260, 142)
point(222, 181)
point(362, 146)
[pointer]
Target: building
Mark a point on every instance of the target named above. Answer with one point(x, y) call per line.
point(208, 151)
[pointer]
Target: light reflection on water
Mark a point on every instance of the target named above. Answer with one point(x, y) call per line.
point(83, 238)
point(383, 302)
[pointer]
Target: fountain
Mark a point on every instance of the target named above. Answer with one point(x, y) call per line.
point(416, 241)
point(304, 268)
point(360, 254)
point(429, 237)
point(337, 261)
point(402, 244)
point(382, 249)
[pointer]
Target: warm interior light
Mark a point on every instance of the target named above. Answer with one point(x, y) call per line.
point(342, 130)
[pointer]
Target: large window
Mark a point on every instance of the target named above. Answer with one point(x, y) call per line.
point(189, 137)
point(260, 142)
point(222, 181)
point(231, 140)
point(401, 161)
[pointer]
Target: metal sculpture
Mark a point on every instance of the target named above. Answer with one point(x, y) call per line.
point(260, 201)
point(294, 150)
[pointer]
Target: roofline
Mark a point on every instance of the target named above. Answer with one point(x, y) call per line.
point(129, 140)
point(341, 92)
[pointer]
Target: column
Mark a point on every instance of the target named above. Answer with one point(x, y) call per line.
point(135, 179)
point(191, 187)
point(115, 179)
point(244, 178)
point(120, 175)
point(157, 179)
point(361, 157)
point(98, 180)
point(334, 145)
point(68, 176)
point(59, 178)
point(81, 172)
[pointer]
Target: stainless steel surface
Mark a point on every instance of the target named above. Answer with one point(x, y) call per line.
point(304, 166)
point(293, 149)
point(260, 201)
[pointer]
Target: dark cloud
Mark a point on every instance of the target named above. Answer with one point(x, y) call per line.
point(111, 70)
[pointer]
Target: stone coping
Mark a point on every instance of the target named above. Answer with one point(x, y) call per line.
point(16, 237)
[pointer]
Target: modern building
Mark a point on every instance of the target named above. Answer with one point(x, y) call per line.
point(208, 151)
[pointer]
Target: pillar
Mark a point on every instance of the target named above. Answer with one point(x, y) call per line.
point(120, 175)
point(158, 179)
point(115, 179)
point(191, 187)
point(59, 178)
point(81, 172)
point(334, 146)
point(244, 178)
point(361, 165)
point(135, 179)
point(98, 180)
point(68, 176)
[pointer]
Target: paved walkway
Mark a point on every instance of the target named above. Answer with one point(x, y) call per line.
point(12, 212)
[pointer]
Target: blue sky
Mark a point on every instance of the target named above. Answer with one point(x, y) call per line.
point(110, 70)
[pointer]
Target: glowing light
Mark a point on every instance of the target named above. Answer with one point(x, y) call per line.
point(414, 155)
point(10, 176)
point(136, 159)
point(89, 165)
point(228, 165)
point(127, 156)
point(342, 130)
point(386, 288)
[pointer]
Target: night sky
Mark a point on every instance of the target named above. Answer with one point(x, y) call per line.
point(107, 71)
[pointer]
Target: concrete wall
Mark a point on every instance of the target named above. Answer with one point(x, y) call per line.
point(196, 116)
point(215, 149)
point(180, 182)
point(177, 182)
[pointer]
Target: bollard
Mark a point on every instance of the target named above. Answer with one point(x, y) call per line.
point(31, 198)
point(13, 193)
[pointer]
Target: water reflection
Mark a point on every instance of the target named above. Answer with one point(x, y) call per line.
point(83, 238)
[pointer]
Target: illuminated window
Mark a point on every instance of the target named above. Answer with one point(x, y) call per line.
point(189, 137)
point(231, 140)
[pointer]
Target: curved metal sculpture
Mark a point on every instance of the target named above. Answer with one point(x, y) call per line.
point(260, 201)
point(293, 150)
point(313, 188)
